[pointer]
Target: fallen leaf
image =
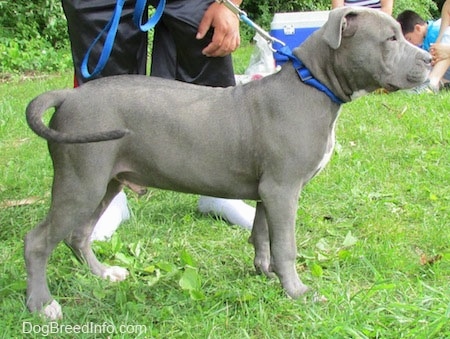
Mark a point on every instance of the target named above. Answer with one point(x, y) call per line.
point(317, 298)
point(424, 260)
point(349, 240)
point(21, 202)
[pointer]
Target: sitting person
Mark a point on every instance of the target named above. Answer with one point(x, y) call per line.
point(383, 5)
point(424, 34)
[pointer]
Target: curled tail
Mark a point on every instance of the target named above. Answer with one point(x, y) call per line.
point(36, 109)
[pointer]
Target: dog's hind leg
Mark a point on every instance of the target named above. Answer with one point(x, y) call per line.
point(261, 242)
point(61, 220)
point(39, 243)
point(80, 243)
point(78, 198)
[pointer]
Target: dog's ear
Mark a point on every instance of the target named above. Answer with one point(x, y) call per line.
point(341, 23)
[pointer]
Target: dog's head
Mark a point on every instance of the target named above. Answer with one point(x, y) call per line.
point(366, 50)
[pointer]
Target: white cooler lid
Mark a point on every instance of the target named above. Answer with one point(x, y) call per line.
point(299, 19)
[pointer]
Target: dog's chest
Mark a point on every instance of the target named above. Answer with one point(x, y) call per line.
point(329, 148)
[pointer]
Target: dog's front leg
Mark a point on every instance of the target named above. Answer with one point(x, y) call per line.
point(281, 208)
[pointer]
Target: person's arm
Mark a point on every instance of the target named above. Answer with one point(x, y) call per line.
point(445, 19)
point(226, 38)
point(386, 6)
point(337, 3)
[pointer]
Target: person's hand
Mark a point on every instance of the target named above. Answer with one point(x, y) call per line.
point(439, 52)
point(226, 38)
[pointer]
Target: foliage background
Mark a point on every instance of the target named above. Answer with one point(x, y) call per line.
point(33, 36)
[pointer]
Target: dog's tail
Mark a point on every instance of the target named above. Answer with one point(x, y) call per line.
point(35, 112)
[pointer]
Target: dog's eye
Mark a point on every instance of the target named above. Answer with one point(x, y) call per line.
point(392, 38)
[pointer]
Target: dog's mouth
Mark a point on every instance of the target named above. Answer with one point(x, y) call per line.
point(391, 88)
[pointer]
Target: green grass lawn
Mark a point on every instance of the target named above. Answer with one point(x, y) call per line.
point(372, 235)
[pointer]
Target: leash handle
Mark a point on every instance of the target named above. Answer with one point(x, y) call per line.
point(111, 30)
point(139, 12)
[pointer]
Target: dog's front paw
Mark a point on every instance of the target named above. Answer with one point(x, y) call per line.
point(115, 273)
point(295, 288)
point(52, 311)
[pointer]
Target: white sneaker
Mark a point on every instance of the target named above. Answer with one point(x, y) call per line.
point(235, 212)
point(110, 220)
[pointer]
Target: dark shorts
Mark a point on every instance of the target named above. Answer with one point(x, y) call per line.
point(176, 53)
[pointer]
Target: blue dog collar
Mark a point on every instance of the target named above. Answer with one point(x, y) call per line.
point(306, 76)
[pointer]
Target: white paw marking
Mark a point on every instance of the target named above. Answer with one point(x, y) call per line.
point(52, 311)
point(115, 273)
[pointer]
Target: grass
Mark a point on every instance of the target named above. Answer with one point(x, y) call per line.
point(372, 236)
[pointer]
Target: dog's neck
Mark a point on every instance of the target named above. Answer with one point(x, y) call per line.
point(306, 76)
point(322, 70)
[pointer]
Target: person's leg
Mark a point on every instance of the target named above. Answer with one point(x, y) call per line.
point(86, 19)
point(446, 78)
point(177, 54)
point(234, 211)
point(437, 73)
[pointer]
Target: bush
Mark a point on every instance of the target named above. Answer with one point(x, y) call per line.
point(34, 33)
point(34, 19)
point(33, 37)
point(427, 9)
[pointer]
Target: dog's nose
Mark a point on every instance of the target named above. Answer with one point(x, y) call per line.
point(426, 57)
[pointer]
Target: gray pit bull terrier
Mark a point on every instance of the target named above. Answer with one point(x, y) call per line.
point(262, 141)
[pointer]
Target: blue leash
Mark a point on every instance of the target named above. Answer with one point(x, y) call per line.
point(139, 12)
point(303, 72)
point(111, 29)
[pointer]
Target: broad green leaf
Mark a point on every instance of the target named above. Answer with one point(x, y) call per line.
point(123, 258)
point(190, 280)
point(166, 267)
point(349, 240)
point(316, 270)
point(187, 260)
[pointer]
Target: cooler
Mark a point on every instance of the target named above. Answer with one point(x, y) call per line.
point(294, 28)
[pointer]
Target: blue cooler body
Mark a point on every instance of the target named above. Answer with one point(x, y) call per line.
point(294, 28)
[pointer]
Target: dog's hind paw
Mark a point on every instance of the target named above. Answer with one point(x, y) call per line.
point(115, 273)
point(52, 311)
point(262, 266)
